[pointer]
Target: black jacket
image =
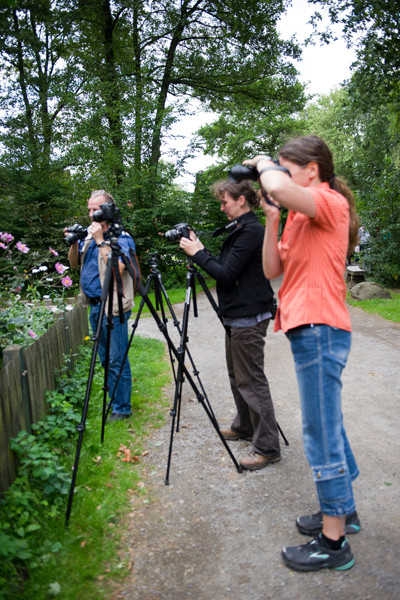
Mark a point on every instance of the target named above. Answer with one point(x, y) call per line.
point(242, 288)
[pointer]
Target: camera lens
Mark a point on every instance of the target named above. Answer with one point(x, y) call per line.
point(239, 173)
point(173, 235)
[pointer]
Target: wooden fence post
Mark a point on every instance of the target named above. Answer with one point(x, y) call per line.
point(11, 353)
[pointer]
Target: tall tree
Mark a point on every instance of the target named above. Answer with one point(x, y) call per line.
point(165, 52)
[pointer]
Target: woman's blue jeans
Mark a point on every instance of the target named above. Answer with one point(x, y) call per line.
point(320, 353)
point(118, 346)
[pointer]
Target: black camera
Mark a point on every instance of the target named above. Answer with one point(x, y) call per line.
point(180, 230)
point(239, 173)
point(107, 212)
point(76, 232)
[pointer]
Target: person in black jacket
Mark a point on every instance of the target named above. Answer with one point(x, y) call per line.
point(246, 303)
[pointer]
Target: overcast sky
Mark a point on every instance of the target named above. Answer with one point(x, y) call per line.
point(322, 68)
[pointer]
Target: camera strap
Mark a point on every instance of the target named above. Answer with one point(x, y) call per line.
point(224, 228)
point(120, 287)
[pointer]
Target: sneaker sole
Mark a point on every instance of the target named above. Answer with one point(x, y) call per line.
point(318, 567)
point(305, 568)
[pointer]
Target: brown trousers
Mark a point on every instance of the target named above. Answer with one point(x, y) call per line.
point(255, 416)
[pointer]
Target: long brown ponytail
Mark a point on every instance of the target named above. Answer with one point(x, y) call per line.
point(311, 148)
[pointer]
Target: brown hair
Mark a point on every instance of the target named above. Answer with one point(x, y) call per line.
point(311, 148)
point(244, 188)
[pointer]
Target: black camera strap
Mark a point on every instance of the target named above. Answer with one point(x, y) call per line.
point(225, 228)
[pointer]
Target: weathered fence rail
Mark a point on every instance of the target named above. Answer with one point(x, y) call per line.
point(25, 377)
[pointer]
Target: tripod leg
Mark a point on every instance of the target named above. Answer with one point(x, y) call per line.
point(164, 331)
point(82, 425)
point(215, 307)
point(106, 386)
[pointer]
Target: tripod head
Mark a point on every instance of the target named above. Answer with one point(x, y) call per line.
point(153, 262)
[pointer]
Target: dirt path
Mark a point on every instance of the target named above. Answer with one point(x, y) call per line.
point(216, 534)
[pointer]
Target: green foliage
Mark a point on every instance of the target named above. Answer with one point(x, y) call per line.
point(39, 557)
point(22, 323)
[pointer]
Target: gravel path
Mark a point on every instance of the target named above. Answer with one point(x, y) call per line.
point(216, 534)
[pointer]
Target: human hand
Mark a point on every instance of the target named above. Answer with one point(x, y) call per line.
point(192, 245)
point(253, 162)
point(271, 210)
point(96, 230)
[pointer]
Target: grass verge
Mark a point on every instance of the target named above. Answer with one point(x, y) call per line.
point(86, 556)
point(388, 309)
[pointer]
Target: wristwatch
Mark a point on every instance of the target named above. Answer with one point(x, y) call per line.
point(102, 244)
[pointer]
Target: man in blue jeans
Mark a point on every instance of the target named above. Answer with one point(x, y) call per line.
point(92, 254)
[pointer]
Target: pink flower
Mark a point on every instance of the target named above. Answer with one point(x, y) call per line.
point(66, 281)
point(32, 333)
point(3, 246)
point(22, 247)
point(54, 252)
point(6, 237)
point(60, 268)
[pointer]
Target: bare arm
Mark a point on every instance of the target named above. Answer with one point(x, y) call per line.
point(282, 188)
point(271, 260)
point(73, 256)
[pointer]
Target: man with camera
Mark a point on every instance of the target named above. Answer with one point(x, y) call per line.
point(246, 303)
point(92, 254)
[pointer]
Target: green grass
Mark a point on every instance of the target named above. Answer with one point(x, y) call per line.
point(386, 308)
point(92, 551)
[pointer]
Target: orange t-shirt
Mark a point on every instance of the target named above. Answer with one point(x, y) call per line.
point(313, 254)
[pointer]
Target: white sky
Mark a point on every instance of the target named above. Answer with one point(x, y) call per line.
point(322, 69)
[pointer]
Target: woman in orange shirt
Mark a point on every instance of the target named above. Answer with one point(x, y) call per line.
point(320, 231)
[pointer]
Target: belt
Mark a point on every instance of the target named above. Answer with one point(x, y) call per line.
point(305, 326)
point(94, 300)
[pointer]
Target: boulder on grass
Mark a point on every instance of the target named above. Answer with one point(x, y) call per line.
point(367, 290)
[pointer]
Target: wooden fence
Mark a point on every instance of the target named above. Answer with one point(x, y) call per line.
point(25, 377)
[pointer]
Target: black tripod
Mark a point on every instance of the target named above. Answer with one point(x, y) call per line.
point(161, 295)
point(111, 276)
point(181, 352)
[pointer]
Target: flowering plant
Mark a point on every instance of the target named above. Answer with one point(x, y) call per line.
point(25, 290)
point(33, 282)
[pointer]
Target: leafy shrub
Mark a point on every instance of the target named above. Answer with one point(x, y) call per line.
point(42, 481)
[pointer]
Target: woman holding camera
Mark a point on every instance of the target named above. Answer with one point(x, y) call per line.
point(246, 303)
point(320, 231)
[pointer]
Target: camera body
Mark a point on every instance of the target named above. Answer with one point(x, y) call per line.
point(239, 173)
point(180, 230)
point(107, 212)
point(76, 232)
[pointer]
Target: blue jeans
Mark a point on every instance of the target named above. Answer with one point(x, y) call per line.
point(320, 353)
point(118, 346)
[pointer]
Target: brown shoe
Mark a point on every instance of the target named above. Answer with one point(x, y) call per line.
point(231, 435)
point(257, 461)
